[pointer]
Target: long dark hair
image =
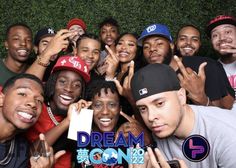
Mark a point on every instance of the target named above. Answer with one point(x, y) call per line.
point(138, 59)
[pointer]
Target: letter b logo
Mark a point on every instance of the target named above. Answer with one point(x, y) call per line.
point(196, 148)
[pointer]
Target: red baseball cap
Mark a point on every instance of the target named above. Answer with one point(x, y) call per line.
point(76, 21)
point(72, 63)
point(219, 20)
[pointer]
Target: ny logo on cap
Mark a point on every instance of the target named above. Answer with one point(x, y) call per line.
point(143, 91)
point(51, 31)
point(151, 28)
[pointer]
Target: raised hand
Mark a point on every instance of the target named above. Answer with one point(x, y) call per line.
point(46, 159)
point(111, 63)
point(58, 43)
point(125, 89)
point(158, 161)
point(77, 107)
point(147, 163)
point(229, 48)
point(192, 82)
point(134, 127)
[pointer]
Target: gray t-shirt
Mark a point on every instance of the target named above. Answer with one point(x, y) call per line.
point(5, 73)
point(218, 126)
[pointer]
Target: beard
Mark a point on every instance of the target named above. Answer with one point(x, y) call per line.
point(178, 53)
point(168, 57)
point(225, 55)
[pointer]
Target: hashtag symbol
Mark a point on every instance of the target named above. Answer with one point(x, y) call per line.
point(196, 149)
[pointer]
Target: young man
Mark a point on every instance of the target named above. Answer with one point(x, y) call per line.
point(42, 38)
point(65, 86)
point(207, 87)
point(162, 104)
point(109, 32)
point(19, 45)
point(75, 25)
point(222, 31)
point(188, 41)
point(157, 44)
point(57, 43)
point(41, 41)
point(88, 49)
point(21, 102)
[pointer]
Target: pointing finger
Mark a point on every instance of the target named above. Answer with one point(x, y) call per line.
point(131, 72)
point(201, 70)
point(130, 119)
point(112, 54)
point(181, 66)
point(118, 86)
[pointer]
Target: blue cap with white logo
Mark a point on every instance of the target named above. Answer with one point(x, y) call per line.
point(155, 29)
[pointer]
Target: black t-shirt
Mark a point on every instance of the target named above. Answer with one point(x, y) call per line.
point(216, 84)
point(20, 157)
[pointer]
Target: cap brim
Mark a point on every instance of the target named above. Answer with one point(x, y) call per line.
point(84, 75)
point(140, 40)
point(46, 35)
point(220, 22)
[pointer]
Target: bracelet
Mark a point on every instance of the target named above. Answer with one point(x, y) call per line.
point(208, 101)
point(110, 79)
point(41, 63)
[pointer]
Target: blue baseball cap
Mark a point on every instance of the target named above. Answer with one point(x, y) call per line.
point(155, 29)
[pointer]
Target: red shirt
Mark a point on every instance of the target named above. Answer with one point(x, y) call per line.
point(44, 124)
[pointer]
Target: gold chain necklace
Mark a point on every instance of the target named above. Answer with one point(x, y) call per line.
point(51, 115)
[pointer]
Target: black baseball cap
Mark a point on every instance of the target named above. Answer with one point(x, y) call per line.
point(219, 20)
point(44, 32)
point(154, 79)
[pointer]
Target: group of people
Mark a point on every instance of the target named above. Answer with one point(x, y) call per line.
point(149, 83)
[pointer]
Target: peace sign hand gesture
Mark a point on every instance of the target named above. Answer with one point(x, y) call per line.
point(134, 127)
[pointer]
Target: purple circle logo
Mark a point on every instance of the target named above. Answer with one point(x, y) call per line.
point(196, 148)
